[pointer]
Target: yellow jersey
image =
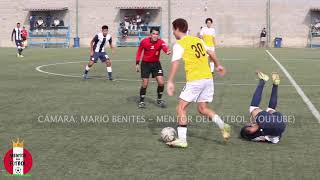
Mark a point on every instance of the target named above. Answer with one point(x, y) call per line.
point(194, 54)
point(208, 36)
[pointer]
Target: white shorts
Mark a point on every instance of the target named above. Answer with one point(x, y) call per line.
point(211, 48)
point(198, 91)
point(252, 108)
point(263, 39)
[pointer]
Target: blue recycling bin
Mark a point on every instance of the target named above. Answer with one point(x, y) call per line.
point(277, 42)
point(76, 43)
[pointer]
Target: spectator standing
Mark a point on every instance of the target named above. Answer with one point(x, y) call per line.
point(56, 22)
point(32, 22)
point(263, 37)
point(40, 24)
point(48, 21)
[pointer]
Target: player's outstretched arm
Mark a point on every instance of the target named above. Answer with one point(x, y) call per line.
point(138, 56)
point(168, 52)
point(172, 74)
point(201, 34)
point(176, 57)
point(94, 40)
point(111, 46)
point(12, 34)
point(91, 46)
point(221, 70)
point(166, 48)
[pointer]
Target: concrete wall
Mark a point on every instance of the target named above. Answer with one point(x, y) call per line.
point(94, 13)
point(291, 20)
point(237, 22)
point(235, 25)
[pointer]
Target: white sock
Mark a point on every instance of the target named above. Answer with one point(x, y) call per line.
point(87, 68)
point(212, 66)
point(109, 69)
point(216, 119)
point(182, 133)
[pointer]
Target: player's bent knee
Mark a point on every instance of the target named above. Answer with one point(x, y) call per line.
point(161, 84)
point(160, 80)
point(255, 112)
point(252, 108)
point(145, 84)
point(201, 109)
point(91, 63)
point(270, 110)
point(180, 109)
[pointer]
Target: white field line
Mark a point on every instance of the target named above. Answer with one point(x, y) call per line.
point(39, 69)
point(306, 100)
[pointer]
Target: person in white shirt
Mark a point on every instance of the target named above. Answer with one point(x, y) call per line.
point(208, 34)
point(56, 22)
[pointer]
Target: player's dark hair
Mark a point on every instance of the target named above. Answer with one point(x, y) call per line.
point(154, 29)
point(18, 23)
point(244, 133)
point(180, 24)
point(105, 27)
point(209, 19)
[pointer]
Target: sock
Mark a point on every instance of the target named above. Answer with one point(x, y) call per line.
point(19, 51)
point(143, 92)
point(257, 94)
point(212, 66)
point(109, 70)
point(216, 119)
point(160, 91)
point(182, 132)
point(87, 68)
point(274, 97)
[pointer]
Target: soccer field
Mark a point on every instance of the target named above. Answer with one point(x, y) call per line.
point(127, 145)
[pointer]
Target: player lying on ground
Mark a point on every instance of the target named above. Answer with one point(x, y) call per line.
point(97, 51)
point(151, 47)
point(268, 125)
point(17, 34)
point(199, 87)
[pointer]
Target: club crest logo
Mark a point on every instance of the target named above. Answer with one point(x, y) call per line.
point(18, 160)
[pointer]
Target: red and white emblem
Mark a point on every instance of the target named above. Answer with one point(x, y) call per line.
point(18, 160)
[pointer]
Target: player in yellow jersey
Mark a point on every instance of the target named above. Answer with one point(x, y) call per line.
point(208, 34)
point(199, 87)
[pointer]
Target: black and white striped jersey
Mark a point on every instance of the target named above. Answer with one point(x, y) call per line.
point(100, 42)
point(17, 34)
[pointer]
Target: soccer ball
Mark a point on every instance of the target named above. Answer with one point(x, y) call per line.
point(168, 134)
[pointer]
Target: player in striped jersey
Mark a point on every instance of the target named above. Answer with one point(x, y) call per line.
point(97, 51)
point(16, 33)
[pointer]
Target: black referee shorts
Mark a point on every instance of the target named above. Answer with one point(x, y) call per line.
point(153, 68)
